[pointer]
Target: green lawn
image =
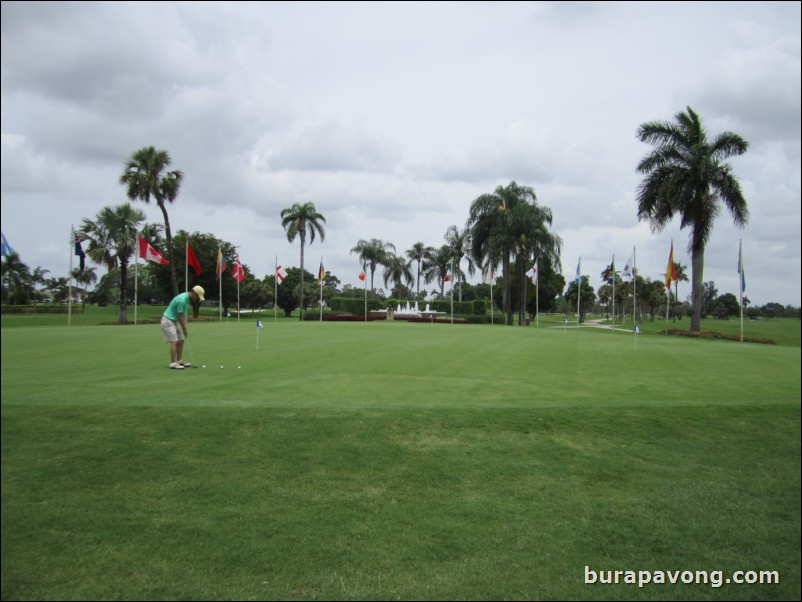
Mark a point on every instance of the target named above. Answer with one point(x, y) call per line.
point(394, 460)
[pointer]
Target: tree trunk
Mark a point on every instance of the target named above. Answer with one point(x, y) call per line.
point(698, 262)
point(303, 231)
point(505, 298)
point(169, 235)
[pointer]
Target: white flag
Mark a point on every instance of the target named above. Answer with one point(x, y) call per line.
point(281, 274)
point(259, 324)
point(532, 273)
point(629, 268)
point(490, 277)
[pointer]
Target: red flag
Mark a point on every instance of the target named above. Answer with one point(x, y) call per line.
point(238, 272)
point(192, 260)
point(281, 274)
point(149, 253)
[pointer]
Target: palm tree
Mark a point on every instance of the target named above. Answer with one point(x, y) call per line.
point(510, 224)
point(418, 253)
point(86, 277)
point(145, 177)
point(436, 267)
point(18, 285)
point(681, 275)
point(112, 238)
point(299, 220)
point(374, 252)
point(397, 270)
point(686, 176)
point(458, 242)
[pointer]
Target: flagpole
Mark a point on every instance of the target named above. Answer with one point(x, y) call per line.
point(612, 269)
point(741, 285)
point(364, 269)
point(668, 288)
point(136, 277)
point(237, 279)
point(275, 292)
point(69, 289)
point(186, 266)
point(220, 282)
point(452, 291)
point(320, 282)
point(578, 289)
point(634, 299)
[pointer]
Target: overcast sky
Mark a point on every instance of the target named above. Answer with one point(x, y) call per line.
point(393, 117)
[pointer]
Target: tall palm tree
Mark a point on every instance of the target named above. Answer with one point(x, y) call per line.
point(436, 267)
point(458, 242)
point(145, 177)
point(112, 238)
point(300, 220)
point(510, 224)
point(418, 253)
point(374, 252)
point(398, 271)
point(686, 175)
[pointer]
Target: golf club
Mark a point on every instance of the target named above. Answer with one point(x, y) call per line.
point(191, 357)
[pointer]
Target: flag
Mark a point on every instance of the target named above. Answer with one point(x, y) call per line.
point(148, 253)
point(637, 329)
point(578, 277)
point(79, 251)
point(532, 273)
point(221, 264)
point(259, 324)
point(321, 274)
point(671, 269)
point(281, 274)
point(192, 260)
point(238, 272)
point(490, 277)
point(629, 268)
point(449, 274)
point(741, 269)
point(6, 248)
point(609, 274)
point(364, 273)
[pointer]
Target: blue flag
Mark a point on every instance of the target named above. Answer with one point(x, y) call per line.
point(7, 250)
point(259, 324)
point(578, 278)
point(79, 251)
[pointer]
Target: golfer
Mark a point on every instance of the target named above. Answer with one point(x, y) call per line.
point(174, 325)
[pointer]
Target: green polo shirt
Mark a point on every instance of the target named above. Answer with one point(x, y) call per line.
point(179, 305)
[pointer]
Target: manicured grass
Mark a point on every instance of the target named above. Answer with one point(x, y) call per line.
point(394, 460)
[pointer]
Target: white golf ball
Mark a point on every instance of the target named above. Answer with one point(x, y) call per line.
point(238, 367)
point(204, 365)
point(221, 366)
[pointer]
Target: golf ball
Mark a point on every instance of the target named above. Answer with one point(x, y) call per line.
point(204, 365)
point(238, 367)
point(221, 366)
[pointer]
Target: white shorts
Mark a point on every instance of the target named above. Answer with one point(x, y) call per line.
point(171, 331)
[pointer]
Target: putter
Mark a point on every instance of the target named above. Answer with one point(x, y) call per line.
point(191, 357)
